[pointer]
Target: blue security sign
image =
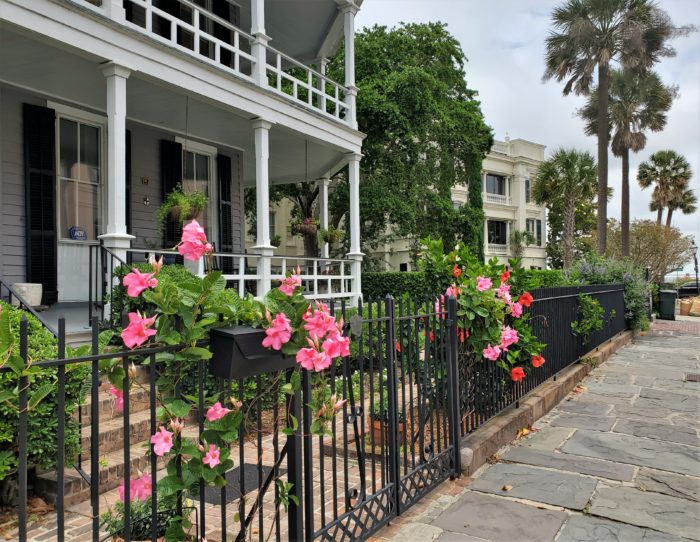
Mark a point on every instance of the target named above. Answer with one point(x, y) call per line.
point(77, 233)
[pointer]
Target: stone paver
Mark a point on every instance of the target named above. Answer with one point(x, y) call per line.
point(647, 509)
point(623, 449)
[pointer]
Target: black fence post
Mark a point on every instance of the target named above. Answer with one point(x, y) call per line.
point(23, 422)
point(60, 436)
point(295, 514)
point(308, 458)
point(393, 444)
point(453, 382)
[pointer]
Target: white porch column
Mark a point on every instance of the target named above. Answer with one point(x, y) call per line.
point(259, 46)
point(322, 66)
point(355, 253)
point(262, 204)
point(486, 238)
point(349, 10)
point(115, 237)
point(323, 211)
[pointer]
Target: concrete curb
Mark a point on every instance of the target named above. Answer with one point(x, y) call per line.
point(502, 429)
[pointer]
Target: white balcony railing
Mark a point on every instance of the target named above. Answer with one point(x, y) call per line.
point(500, 147)
point(497, 248)
point(497, 198)
point(322, 278)
point(192, 32)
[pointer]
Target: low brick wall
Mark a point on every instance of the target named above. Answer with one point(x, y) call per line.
point(502, 429)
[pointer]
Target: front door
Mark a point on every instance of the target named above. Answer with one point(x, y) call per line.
point(78, 201)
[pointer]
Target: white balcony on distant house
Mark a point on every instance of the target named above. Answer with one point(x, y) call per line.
point(496, 248)
point(206, 37)
point(500, 147)
point(497, 199)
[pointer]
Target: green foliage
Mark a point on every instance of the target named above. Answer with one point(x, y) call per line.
point(597, 270)
point(590, 317)
point(140, 518)
point(43, 419)
point(532, 279)
point(379, 285)
point(181, 205)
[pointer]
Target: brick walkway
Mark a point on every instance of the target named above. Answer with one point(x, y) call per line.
point(617, 460)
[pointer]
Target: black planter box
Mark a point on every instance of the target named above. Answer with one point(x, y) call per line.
point(237, 352)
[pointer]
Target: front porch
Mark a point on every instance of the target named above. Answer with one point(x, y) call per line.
point(90, 148)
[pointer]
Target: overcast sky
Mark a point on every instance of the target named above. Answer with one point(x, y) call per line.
point(504, 43)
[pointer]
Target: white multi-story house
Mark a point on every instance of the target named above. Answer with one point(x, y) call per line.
point(107, 105)
point(507, 175)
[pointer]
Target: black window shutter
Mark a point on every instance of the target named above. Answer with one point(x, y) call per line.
point(223, 167)
point(39, 125)
point(128, 181)
point(170, 177)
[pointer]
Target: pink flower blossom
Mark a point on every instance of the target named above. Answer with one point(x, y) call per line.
point(136, 282)
point(319, 322)
point(118, 398)
point(279, 333)
point(140, 489)
point(508, 336)
point(216, 412)
point(194, 242)
point(516, 309)
point(483, 283)
point(336, 345)
point(492, 352)
point(313, 360)
point(289, 284)
point(211, 458)
point(138, 331)
point(162, 442)
point(504, 292)
point(440, 307)
point(337, 403)
point(452, 291)
point(156, 265)
point(177, 425)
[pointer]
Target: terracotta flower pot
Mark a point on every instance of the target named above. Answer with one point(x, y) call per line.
point(379, 427)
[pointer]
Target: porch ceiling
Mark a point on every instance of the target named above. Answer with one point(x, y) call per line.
point(74, 77)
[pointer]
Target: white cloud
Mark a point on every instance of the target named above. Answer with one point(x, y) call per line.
point(504, 42)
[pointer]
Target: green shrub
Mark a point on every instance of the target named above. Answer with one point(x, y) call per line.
point(590, 317)
point(379, 285)
point(532, 279)
point(43, 421)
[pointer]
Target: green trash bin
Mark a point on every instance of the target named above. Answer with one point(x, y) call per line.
point(667, 304)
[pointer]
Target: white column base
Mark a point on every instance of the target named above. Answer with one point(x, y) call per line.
point(117, 243)
point(356, 272)
point(264, 268)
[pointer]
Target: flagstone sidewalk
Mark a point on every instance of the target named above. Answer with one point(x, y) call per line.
point(617, 460)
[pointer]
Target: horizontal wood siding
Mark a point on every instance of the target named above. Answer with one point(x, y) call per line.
point(12, 216)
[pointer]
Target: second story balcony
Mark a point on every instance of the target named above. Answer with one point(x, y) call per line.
point(282, 46)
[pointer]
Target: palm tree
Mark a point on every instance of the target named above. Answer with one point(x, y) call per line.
point(637, 102)
point(590, 34)
point(568, 176)
point(685, 201)
point(670, 174)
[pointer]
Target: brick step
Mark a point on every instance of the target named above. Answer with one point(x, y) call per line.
point(111, 432)
point(138, 401)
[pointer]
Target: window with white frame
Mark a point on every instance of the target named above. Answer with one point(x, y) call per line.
point(528, 190)
point(497, 232)
point(534, 226)
point(495, 184)
point(79, 178)
point(197, 176)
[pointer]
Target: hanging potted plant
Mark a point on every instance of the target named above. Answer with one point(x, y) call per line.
point(181, 206)
point(305, 226)
point(331, 235)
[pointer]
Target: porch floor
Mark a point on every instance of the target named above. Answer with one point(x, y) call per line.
point(76, 315)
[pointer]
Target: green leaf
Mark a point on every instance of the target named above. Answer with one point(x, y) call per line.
point(170, 485)
point(40, 393)
point(179, 408)
point(197, 352)
point(7, 395)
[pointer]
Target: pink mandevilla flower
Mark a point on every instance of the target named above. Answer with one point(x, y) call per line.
point(211, 458)
point(337, 403)
point(319, 322)
point(136, 282)
point(139, 488)
point(313, 360)
point(162, 442)
point(483, 283)
point(492, 352)
point(452, 291)
point(504, 292)
point(440, 307)
point(336, 346)
point(156, 265)
point(177, 425)
point(290, 284)
point(118, 398)
point(279, 333)
point(194, 242)
point(508, 336)
point(138, 331)
point(516, 309)
point(216, 412)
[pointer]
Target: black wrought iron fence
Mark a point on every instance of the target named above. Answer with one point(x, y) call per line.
point(486, 389)
point(394, 440)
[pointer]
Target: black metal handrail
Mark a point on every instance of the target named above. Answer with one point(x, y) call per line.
point(23, 304)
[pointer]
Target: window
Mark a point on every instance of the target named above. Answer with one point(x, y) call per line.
point(534, 226)
point(196, 177)
point(495, 184)
point(79, 179)
point(403, 267)
point(497, 232)
point(273, 228)
point(528, 189)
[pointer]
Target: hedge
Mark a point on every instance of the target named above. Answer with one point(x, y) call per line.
point(43, 422)
point(379, 285)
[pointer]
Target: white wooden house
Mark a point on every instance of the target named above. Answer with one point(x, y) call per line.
point(106, 105)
